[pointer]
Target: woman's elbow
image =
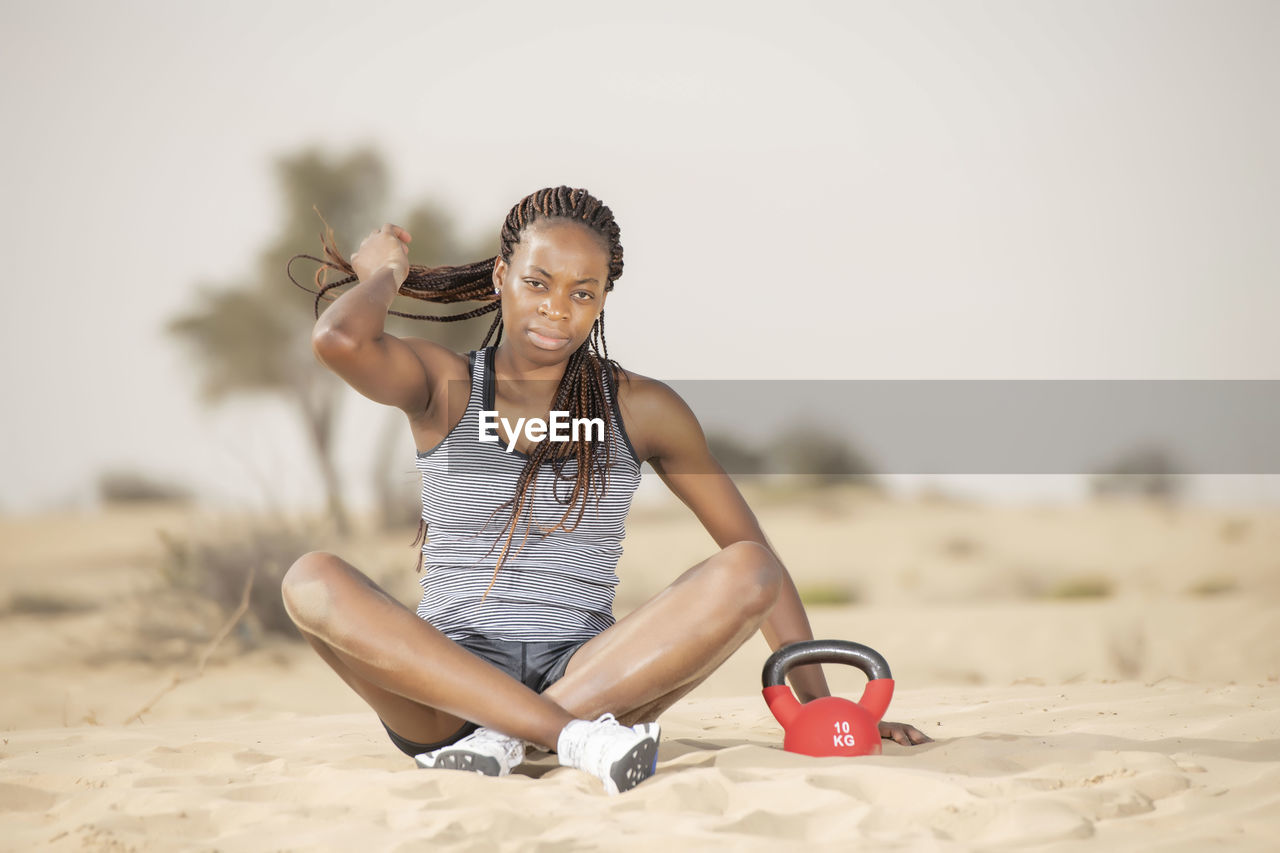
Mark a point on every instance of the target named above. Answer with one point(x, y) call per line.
point(328, 343)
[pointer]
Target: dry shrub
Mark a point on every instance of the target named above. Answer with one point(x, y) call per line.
point(736, 456)
point(40, 603)
point(828, 593)
point(1128, 651)
point(1214, 585)
point(960, 547)
point(215, 565)
point(1082, 586)
point(125, 486)
point(1145, 471)
point(821, 457)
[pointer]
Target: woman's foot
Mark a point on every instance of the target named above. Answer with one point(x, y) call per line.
point(620, 756)
point(483, 751)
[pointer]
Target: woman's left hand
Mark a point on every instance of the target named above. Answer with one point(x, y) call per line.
point(902, 733)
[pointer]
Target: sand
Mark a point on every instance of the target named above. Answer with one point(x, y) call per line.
point(1144, 714)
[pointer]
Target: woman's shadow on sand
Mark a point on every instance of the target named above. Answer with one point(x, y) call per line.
point(679, 754)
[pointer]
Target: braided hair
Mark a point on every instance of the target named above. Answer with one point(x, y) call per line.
point(581, 390)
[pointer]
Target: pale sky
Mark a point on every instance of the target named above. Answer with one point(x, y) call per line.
point(942, 190)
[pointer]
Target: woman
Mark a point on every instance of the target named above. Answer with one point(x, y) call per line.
point(531, 652)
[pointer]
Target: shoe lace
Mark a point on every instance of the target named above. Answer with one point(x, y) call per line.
point(512, 747)
point(598, 741)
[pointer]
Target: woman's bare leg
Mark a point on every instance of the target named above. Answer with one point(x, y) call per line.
point(642, 665)
point(422, 684)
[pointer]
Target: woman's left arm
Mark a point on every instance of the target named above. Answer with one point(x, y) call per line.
point(679, 453)
point(677, 449)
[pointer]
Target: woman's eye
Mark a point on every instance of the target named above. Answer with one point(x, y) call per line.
point(583, 295)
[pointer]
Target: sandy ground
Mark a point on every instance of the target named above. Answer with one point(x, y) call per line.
point(1105, 675)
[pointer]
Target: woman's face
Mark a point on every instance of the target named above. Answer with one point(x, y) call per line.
point(553, 289)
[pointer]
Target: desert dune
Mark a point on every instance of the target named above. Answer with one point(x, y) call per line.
point(1105, 674)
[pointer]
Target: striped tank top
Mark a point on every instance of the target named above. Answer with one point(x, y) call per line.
point(558, 587)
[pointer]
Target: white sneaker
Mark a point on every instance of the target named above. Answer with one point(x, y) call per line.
point(483, 751)
point(621, 756)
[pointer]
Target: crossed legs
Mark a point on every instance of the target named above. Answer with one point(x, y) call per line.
point(425, 687)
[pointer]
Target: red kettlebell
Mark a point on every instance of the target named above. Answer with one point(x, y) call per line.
point(830, 725)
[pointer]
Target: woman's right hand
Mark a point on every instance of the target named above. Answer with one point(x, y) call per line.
point(386, 247)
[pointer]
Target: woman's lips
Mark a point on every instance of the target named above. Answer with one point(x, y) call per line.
point(546, 341)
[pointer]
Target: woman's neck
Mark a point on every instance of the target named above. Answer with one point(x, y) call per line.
point(514, 370)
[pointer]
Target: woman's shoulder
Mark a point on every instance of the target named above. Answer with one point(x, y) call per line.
point(637, 390)
point(648, 401)
point(651, 409)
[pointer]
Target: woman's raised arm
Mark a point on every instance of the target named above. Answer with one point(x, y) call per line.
point(350, 340)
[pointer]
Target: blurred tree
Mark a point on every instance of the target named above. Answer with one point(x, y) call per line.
point(253, 336)
point(806, 450)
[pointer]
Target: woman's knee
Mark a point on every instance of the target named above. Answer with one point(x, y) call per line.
point(751, 575)
point(307, 588)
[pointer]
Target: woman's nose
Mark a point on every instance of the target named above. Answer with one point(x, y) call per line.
point(551, 306)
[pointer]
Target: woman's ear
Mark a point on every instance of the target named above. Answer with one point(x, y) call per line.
point(499, 273)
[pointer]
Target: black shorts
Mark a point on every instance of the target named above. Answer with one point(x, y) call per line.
point(537, 665)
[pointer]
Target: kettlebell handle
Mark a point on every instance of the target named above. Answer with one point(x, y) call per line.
point(865, 658)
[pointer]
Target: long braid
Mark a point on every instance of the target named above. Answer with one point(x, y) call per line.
point(468, 283)
point(581, 391)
